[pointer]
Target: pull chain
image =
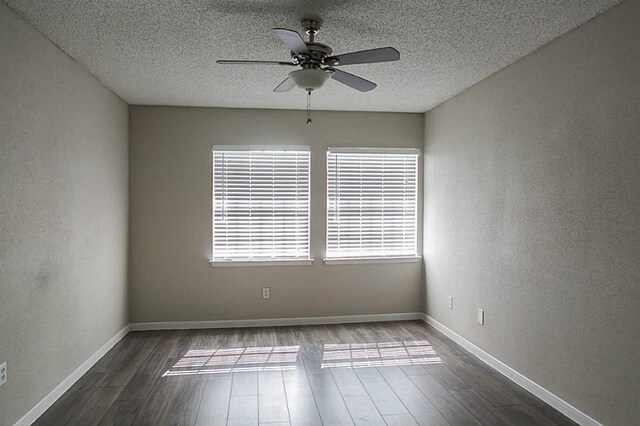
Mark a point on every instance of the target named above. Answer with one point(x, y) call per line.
point(308, 106)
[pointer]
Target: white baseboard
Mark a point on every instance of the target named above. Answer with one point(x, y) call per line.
point(270, 322)
point(556, 402)
point(59, 390)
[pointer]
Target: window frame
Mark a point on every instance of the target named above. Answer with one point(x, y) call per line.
point(272, 261)
point(363, 259)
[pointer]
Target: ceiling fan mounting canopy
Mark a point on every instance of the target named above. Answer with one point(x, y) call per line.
point(311, 26)
point(317, 60)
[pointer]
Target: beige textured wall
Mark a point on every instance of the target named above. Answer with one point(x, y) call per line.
point(63, 215)
point(532, 212)
point(170, 218)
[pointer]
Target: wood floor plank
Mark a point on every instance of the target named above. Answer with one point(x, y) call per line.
point(444, 402)
point(536, 405)
point(272, 399)
point(243, 410)
point(383, 332)
point(244, 384)
point(444, 376)
point(172, 336)
point(492, 390)
point(380, 393)
point(481, 409)
point(230, 339)
point(202, 339)
point(413, 370)
point(140, 385)
point(399, 420)
point(121, 413)
point(312, 352)
point(63, 411)
point(302, 405)
point(214, 406)
point(266, 336)
point(418, 405)
point(443, 341)
point(332, 408)
point(183, 409)
point(174, 400)
point(519, 415)
point(367, 332)
point(121, 373)
point(311, 355)
point(348, 382)
point(526, 399)
point(117, 353)
point(363, 411)
point(96, 406)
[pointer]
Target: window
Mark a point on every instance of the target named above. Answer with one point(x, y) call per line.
point(260, 205)
point(372, 197)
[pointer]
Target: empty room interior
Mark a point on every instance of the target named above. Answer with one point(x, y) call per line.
point(297, 212)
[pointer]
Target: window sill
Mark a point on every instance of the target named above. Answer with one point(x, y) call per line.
point(364, 260)
point(268, 262)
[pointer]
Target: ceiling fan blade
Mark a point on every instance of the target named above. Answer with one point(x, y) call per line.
point(285, 86)
point(242, 62)
point(383, 54)
point(292, 40)
point(352, 81)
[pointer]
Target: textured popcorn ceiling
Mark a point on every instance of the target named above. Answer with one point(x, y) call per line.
point(163, 52)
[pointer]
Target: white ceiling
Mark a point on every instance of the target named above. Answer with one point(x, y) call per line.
point(163, 52)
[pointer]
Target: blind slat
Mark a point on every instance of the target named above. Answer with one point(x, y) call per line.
point(371, 203)
point(260, 205)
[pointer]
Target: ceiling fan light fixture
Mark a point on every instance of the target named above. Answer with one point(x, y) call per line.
point(310, 79)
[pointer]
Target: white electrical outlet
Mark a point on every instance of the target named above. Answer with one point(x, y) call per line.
point(3, 373)
point(450, 304)
point(266, 293)
point(481, 316)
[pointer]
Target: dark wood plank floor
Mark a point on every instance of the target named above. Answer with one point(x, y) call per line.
point(397, 373)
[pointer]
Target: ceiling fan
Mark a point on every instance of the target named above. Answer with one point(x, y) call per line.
point(317, 63)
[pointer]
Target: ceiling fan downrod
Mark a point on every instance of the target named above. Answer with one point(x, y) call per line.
point(308, 106)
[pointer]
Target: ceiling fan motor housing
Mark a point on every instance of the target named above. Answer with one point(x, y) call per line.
point(317, 53)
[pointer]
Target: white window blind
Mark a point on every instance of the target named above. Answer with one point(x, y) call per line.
point(260, 204)
point(372, 197)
